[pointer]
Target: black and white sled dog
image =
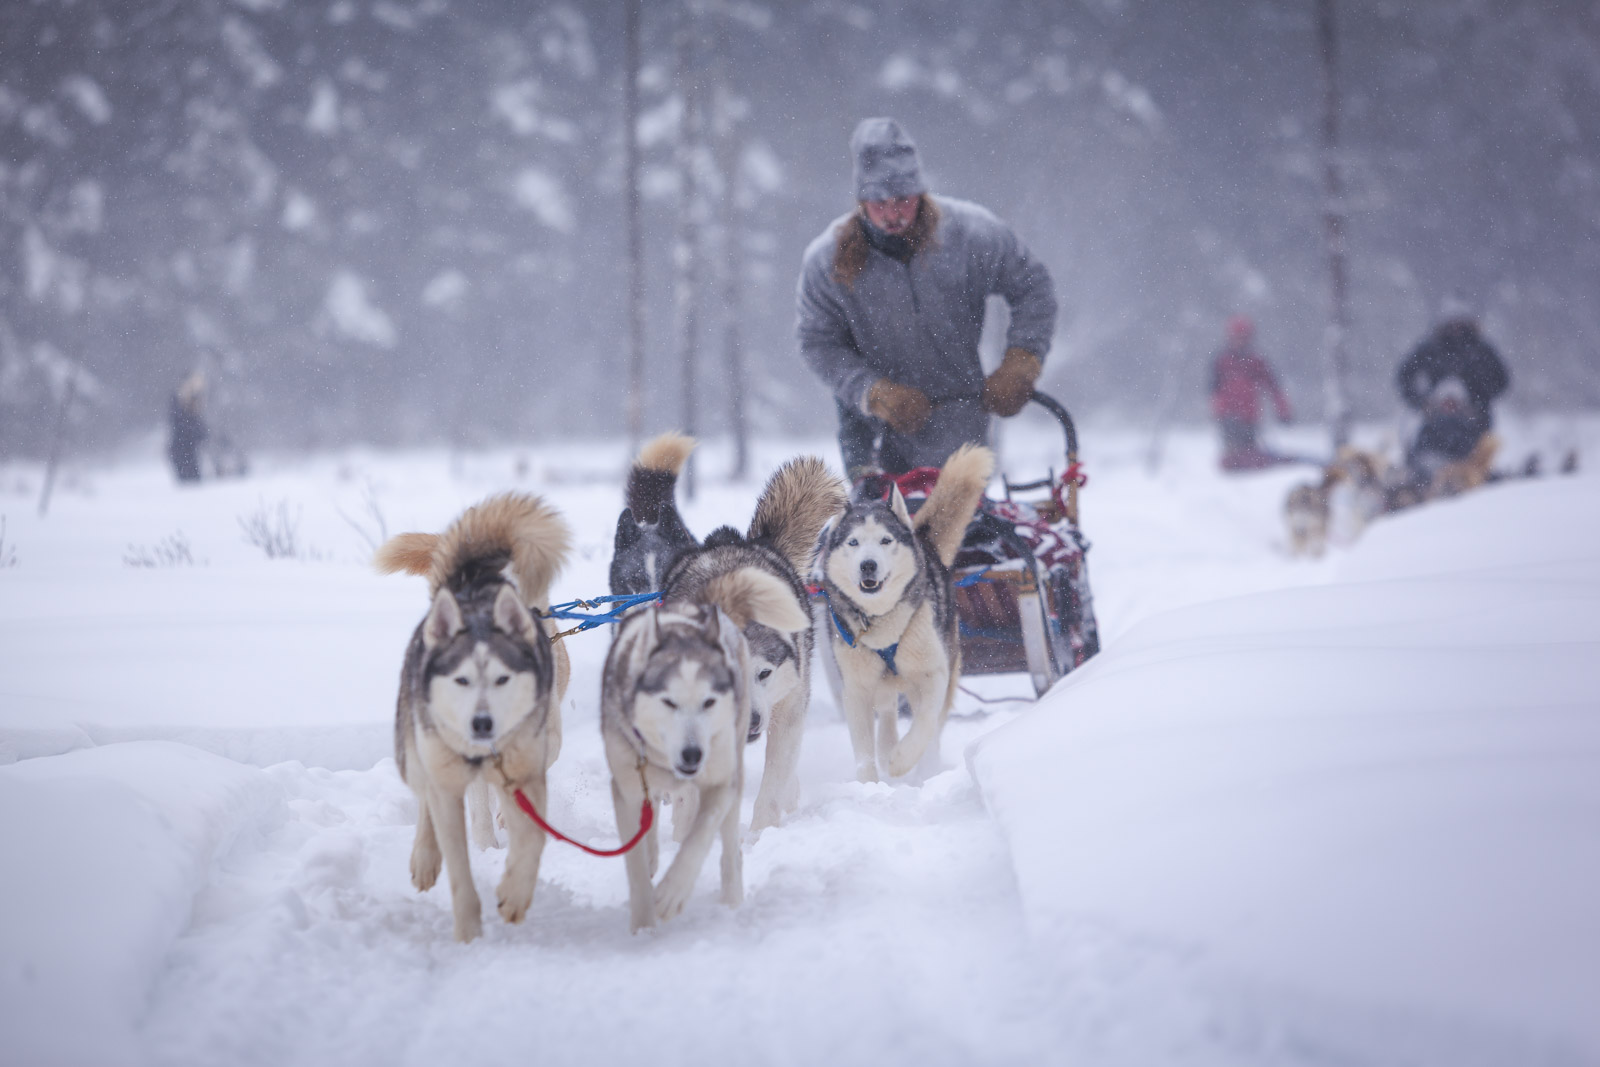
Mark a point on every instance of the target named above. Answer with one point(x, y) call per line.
point(796, 503)
point(480, 690)
point(674, 711)
point(892, 618)
point(650, 532)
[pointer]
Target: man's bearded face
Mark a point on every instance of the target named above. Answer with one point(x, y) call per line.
point(895, 215)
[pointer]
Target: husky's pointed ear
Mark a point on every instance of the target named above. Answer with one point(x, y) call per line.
point(645, 635)
point(724, 630)
point(819, 550)
point(627, 531)
point(897, 504)
point(511, 615)
point(443, 621)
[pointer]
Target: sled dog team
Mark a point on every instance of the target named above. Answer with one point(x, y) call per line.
point(723, 657)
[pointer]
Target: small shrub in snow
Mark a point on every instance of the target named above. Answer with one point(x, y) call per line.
point(8, 553)
point(372, 527)
point(274, 531)
point(171, 551)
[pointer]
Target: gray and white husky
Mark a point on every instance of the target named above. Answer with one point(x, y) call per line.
point(796, 503)
point(480, 690)
point(891, 614)
point(674, 712)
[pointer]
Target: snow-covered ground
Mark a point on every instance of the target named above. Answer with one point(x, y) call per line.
point(1341, 811)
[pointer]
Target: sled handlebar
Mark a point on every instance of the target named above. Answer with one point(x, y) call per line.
point(1071, 479)
point(1056, 408)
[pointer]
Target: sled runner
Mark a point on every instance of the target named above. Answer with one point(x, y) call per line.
point(1022, 578)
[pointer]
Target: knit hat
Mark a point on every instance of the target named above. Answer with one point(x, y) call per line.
point(886, 159)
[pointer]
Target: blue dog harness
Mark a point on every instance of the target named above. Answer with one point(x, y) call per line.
point(885, 654)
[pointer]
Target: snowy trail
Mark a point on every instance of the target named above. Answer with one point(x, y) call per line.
point(868, 917)
point(882, 924)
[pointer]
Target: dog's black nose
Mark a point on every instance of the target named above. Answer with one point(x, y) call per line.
point(482, 725)
point(869, 567)
point(689, 758)
point(755, 727)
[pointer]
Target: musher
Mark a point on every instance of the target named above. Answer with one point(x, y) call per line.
point(891, 305)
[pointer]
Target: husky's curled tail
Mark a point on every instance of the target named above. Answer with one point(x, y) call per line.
point(516, 536)
point(653, 478)
point(797, 502)
point(651, 534)
point(945, 515)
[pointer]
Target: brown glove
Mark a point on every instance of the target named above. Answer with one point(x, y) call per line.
point(904, 407)
point(1007, 389)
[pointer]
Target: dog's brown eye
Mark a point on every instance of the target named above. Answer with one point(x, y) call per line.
point(764, 675)
point(853, 542)
point(503, 679)
point(462, 680)
point(709, 701)
point(673, 704)
point(884, 541)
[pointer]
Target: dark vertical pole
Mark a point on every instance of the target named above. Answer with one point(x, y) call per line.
point(686, 254)
point(57, 440)
point(1333, 226)
point(630, 142)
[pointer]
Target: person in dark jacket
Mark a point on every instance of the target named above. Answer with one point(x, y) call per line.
point(1238, 378)
point(891, 304)
point(187, 428)
point(1451, 378)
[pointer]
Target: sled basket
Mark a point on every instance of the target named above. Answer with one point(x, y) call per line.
point(1021, 576)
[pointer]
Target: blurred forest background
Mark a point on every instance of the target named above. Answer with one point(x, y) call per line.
point(402, 220)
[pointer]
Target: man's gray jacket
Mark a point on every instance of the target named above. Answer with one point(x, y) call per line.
point(918, 323)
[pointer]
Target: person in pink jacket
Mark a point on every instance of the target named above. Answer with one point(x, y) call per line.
point(1238, 378)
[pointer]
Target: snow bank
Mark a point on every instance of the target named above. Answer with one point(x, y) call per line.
point(1380, 794)
point(104, 850)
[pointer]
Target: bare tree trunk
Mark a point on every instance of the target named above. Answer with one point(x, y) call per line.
point(56, 442)
point(1333, 224)
point(729, 150)
point(687, 253)
point(630, 142)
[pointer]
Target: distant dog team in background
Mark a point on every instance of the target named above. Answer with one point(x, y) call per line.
point(1361, 485)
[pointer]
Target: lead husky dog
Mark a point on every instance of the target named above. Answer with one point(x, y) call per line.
point(480, 689)
point(795, 505)
point(892, 612)
point(650, 532)
point(674, 711)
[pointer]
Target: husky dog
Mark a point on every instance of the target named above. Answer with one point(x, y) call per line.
point(893, 632)
point(650, 532)
point(797, 502)
point(1470, 472)
point(674, 711)
point(480, 690)
point(1306, 514)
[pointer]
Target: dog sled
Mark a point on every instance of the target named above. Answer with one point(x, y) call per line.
point(1021, 578)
